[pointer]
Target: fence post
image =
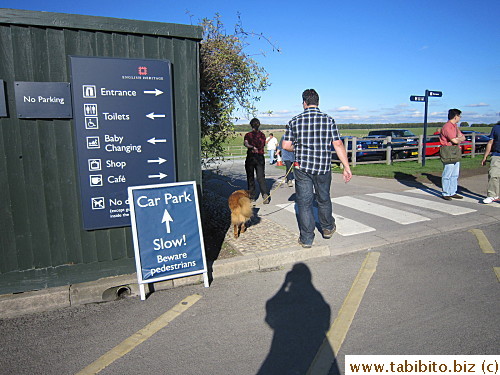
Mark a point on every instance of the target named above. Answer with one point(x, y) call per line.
point(421, 148)
point(354, 153)
point(473, 151)
point(388, 152)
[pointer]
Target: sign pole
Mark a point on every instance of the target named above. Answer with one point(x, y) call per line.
point(425, 99)
point(424, 146)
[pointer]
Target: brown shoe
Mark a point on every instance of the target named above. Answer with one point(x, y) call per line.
point(329, 233)
point(456, 196)
point(446, 197)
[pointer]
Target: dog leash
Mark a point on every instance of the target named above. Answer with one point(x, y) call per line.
point(271, 192)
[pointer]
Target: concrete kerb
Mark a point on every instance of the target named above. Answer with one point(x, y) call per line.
point(112, 288)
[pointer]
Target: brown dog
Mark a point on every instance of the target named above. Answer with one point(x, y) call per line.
point(241, 210)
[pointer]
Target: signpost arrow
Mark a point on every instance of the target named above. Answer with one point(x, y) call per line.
point(156, 92)
point(416, 98)
point(159, 161)
point(167, 219)
point(160, 175)
point(155, 141)
point(152, 116)
point(436, 93)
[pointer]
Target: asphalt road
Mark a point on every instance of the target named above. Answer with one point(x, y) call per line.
point(433, 295)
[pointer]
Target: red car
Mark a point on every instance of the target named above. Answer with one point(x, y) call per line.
point(433, 145)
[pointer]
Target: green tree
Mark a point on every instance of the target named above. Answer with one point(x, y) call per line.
point(230, 80)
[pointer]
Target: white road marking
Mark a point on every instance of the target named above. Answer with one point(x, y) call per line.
point(425, 203)
point(345, 226)
point(399, 216)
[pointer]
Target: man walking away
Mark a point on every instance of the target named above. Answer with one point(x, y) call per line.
point(311, 135)
point(493, 147)
point(450, 135)
point(255, 163)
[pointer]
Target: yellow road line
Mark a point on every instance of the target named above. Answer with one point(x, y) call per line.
point(338, 331)
point(140, 336)
point(497, 272)
point(483, 241)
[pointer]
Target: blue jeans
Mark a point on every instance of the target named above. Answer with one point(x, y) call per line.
point(449, 179)
point(304, 183)
point(271, 156)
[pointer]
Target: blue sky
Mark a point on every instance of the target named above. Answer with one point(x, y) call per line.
point(364, 57)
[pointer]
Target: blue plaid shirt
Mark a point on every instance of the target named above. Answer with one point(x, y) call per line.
point(312, 133)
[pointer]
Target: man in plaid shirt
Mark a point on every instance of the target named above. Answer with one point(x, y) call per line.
point(310, 135)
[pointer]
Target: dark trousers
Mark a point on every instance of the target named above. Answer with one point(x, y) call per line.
point(254, 165)
point(288, 167)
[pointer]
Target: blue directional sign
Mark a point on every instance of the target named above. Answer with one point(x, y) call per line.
point(123, 118)
point(167, 232)
point(435, 93)
point(415, 98)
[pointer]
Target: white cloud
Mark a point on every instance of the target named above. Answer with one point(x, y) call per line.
point(478, 105)
point(346, 108)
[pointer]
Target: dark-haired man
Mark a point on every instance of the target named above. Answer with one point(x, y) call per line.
point(310, 135)
point(450, 135)
point(255, 141)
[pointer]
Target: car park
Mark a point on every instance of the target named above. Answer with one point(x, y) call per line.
point(403, 142)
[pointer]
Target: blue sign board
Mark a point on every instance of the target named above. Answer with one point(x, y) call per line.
point(436, 93)
point(167, 233)
point(415, 98)
point(123, 118)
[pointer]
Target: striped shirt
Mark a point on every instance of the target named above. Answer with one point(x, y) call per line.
point(312, 133)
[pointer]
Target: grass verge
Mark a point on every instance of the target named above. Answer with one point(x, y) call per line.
point(468, 166)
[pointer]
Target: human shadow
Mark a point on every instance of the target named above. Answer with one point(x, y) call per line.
point(300, 318)
point(436, 180)
point(412, 181)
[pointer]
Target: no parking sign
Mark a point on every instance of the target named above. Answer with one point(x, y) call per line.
point(167, 233)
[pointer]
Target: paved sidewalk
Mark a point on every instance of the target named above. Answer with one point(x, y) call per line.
point(271, 240)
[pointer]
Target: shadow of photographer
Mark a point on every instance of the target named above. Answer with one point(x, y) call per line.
point(300, 318)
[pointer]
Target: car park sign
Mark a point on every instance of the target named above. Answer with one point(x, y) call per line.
point(167, 233)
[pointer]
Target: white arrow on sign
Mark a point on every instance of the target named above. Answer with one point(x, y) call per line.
point(152, 116)
point(167, 219)
point(155, 141)
point(159, 161)
point(160, 175)
point(156, 92)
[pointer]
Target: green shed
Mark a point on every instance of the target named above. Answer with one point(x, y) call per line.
point(42, 242)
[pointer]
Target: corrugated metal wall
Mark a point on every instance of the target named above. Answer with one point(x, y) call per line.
point(42, 243)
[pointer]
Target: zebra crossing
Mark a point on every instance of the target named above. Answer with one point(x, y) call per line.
point(407, 202)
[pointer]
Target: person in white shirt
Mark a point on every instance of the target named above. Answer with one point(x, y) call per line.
point(272, 143)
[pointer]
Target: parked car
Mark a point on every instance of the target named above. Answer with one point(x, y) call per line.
point(433, 145)
point(363, 146)
point(481, 139)
point(403, 142)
